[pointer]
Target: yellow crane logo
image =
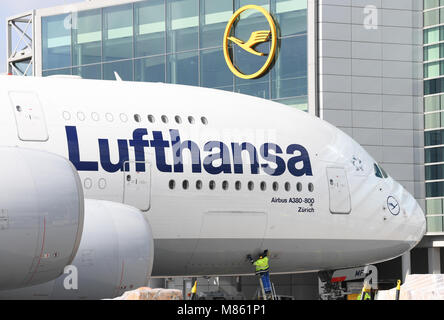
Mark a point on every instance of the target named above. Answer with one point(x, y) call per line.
point(256, 38)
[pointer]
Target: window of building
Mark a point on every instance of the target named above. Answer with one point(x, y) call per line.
point(432, 103)
point(435, 189)
point(88, 72)
point(213, 70)
point(180, 41)
point(434, 155)
point(182, 25)
point(432, 120)
point(433, 69)
point(433, 52)
point(435, 172)
point(431, 18)
point(56, 42)
point(434, 138)
point(118, 33)
point(291, 16)
point(213, 20)
point(123, 68)
point(434, 208)
point(150, 28)
point(183, 68)
point(150, 69)
point(433, 86)
point(289, 74)
point(429, 4)
point(431, 35)
point(87, 38)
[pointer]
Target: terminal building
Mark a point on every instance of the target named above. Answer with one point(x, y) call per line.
point(373, 68)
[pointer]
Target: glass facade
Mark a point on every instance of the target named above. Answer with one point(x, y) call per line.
point(434, 113)
point(180, 41)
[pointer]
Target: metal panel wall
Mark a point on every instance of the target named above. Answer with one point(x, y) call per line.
point(370, 76)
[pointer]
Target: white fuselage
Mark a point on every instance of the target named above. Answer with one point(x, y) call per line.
point(313, 200)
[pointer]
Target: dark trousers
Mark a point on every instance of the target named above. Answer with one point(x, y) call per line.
point(265, 278)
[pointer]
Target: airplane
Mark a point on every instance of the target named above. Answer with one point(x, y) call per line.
point(203, 178)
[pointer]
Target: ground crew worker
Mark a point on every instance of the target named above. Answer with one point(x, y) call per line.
point(263, 270)
point(194, 291)
point(366, 291)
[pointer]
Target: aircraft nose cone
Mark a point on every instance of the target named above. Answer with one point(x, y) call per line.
point(419, 220)
point(415, 217)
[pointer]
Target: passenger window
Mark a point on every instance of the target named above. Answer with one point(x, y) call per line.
point(299, 186)
point(287, 186)
point(310, 187)
point(377, 171)
point(263, 186)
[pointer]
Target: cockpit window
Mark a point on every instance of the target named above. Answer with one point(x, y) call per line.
point(378, 172)
point(383, 172)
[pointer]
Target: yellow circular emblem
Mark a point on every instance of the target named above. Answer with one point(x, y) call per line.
point(255, 38)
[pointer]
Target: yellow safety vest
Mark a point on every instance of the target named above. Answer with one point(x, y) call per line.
point(367, 296)
point(261, 264)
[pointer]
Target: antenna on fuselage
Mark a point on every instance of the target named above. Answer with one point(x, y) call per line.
point(118, 78)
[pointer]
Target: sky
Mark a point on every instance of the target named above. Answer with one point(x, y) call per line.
point(10, 8)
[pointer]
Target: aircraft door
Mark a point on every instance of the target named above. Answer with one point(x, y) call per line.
point(29, 116)
point(137, 185)
point(339, 192)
